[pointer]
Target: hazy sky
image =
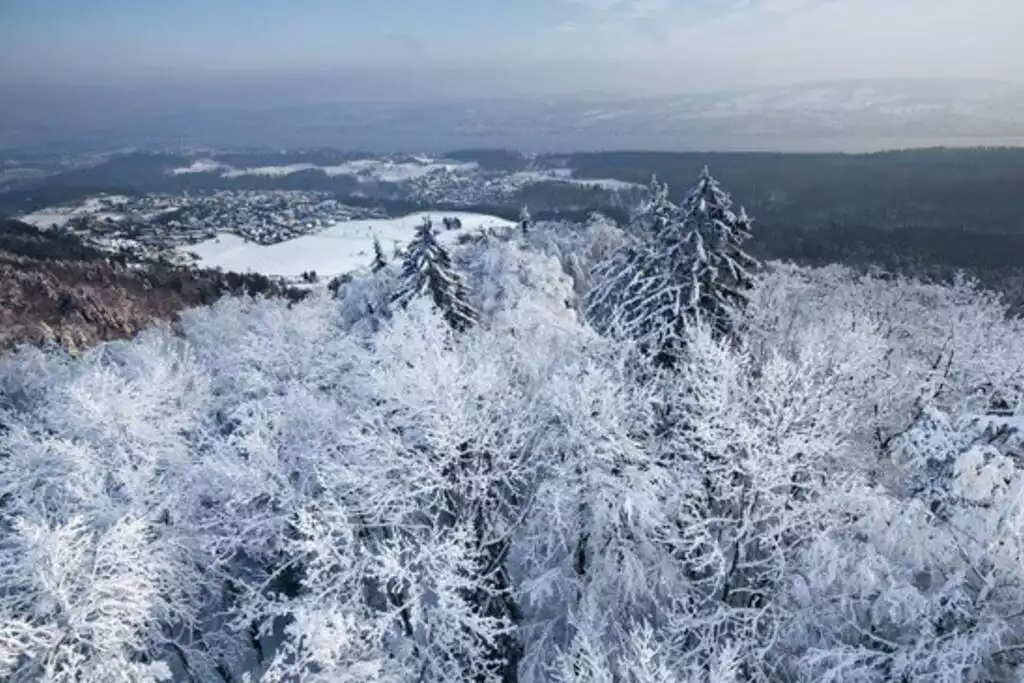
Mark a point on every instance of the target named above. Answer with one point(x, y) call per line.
point(474, 45)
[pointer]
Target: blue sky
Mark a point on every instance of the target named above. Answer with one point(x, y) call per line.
point(559, 44)
point(120, 35)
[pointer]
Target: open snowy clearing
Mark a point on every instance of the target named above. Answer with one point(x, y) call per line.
point(364, 169)
point(342, 248)
point(566, 175)
point(57, 217)
point(610, 184)
point(381, 170)
point(201, 166)
point(48, 219)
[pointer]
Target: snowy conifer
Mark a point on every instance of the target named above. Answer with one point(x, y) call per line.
point(684, 265)
point(525, 219)
point(651, 217)
point(428, 270)
point(380, 262)
point(708, 244)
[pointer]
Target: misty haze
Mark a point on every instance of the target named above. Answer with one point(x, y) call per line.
point(779, 75)
point(536, 341)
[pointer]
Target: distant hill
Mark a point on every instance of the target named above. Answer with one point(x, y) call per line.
point(850, 116)
point(974, 189)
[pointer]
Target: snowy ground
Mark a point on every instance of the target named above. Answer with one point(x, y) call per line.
point(605, 183)
point(383, 170)
point(47, 219)
point(342, 248)
point(201, 166)
point(566, 175)
point(364, 169)
point(56, 217)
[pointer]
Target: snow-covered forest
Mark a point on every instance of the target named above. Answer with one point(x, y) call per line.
point(565, 453)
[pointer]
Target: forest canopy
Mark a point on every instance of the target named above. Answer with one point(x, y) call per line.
point(567, 453)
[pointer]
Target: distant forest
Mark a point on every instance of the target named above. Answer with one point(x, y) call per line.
point(930, 210)
point(944, 206)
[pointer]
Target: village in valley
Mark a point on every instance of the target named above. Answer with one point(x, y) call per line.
point(156, 224)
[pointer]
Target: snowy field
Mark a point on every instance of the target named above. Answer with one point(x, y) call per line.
point(56, 217)
point(380, 170)
point(363, 169)
point(610, 184)
point(566, 175)
point(342, 248)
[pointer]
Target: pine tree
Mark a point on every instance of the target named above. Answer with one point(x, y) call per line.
point(427, 270)
point(525, 219)
point(708, 245)
point(380, 262)
point(653, 215)
point(682, 265)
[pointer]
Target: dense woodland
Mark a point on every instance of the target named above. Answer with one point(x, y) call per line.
point(568, 453)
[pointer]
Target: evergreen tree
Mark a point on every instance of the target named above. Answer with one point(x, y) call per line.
point(380, 262)
point(682, 265)
point(427, 270)
point(525, 219)
point(707, 247)
point(653, 215)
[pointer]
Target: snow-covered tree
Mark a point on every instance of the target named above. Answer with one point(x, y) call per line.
point(684, 264)
point(313, 492)
point(427, 271)
point(525, 219)
point(380, 261)
point(711, 238)
point(655, 213)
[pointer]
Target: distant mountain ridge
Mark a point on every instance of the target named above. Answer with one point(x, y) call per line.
point(851, 116)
